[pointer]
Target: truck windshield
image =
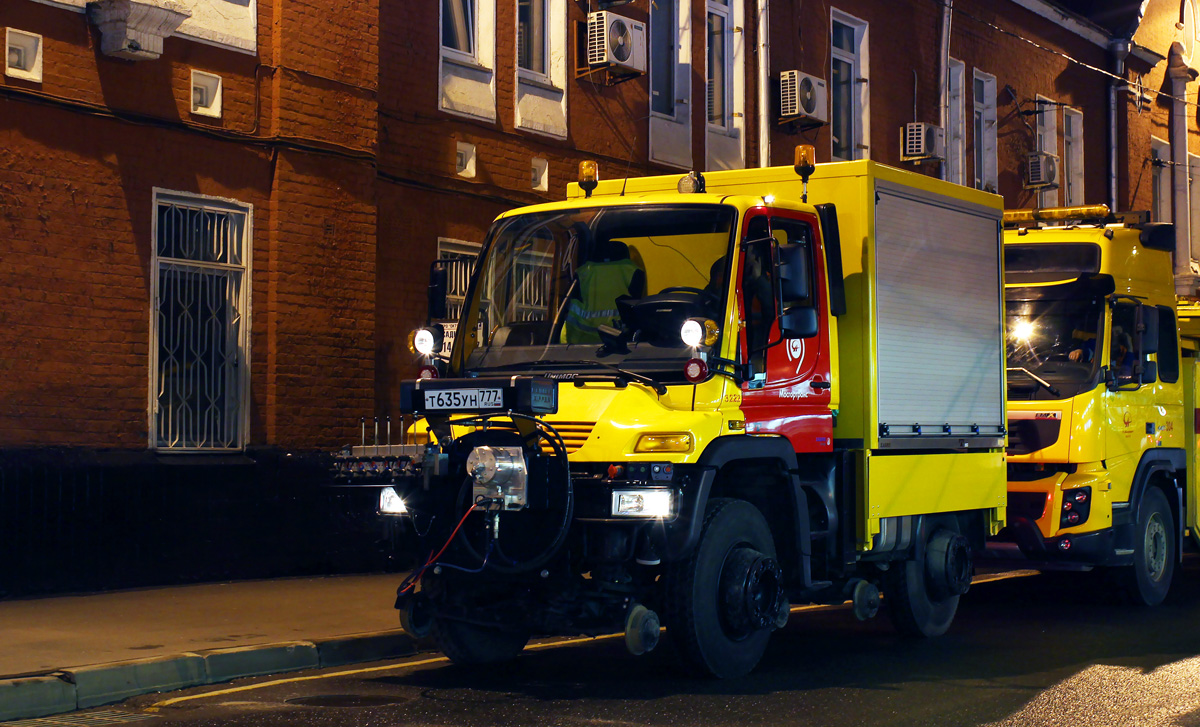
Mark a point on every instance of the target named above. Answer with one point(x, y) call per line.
point(603, 285)
point(1052, 341)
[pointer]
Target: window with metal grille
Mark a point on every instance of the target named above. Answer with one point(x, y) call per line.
point(199, 326)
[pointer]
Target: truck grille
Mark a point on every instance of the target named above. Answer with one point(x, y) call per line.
point(574, 434)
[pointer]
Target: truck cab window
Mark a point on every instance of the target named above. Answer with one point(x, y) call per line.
point(1122, 354)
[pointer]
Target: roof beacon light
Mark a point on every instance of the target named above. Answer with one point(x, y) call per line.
point(1052, 214)
point(806, 156)
point(589, 175)
point(691, 183)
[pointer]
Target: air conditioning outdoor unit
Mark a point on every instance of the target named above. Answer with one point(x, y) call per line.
point(1041, 171)
point(615, 40)
point(804, 96)
point(920, 142)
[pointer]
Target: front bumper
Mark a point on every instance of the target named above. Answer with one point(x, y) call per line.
point(1021, 543)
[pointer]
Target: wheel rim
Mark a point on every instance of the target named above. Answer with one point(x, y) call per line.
point(750, 590)
point(1155, 547)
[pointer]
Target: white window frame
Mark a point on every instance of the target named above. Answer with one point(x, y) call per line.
point(1161, 189)
point(1073, 193)
point(985, 149)
point(725, 12)
point(540, 100)
point(244, 270)
point(530, 74)
point(860, 96)
point(467, 81)
point(671, 134)
point(956, 133)
point(1047, 141)
point(725, 144)
point(468, 57)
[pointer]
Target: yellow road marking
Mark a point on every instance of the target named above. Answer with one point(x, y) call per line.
point(541, 645)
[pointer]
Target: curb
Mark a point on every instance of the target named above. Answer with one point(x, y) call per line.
point(72, 688)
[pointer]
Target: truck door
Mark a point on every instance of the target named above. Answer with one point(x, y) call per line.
point(788, 390)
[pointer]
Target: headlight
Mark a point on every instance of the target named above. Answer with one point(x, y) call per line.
point(698, 331)
point(390, 502)
point(681, 442)
point(641, 503)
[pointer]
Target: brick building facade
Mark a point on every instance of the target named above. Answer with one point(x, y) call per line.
point(204, 283)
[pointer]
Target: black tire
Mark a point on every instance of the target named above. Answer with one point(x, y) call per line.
point(912, 608)
point(693, 613)
point(1148, 580)
point(468, 645)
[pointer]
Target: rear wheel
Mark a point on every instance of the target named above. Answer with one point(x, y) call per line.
point(1149, 578)
point(724, 600)
point(468, 644)
point(922, 594)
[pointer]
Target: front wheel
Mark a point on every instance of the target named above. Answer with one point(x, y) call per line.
point(1149, 578)
point(468, 644)
point(723, 601)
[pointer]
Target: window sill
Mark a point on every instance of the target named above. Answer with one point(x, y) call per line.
point(545, 85)
point(456, 59)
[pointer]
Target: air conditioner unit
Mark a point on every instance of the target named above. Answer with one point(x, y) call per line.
point(614, 40)
point(920, 142)
point(1041, 171)
point(803, 95)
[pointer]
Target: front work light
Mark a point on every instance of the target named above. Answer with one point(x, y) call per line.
point(641, 503)
point(680, 442)
point(390, 502)
point(699, 331)
point(691, 183)
point(425, 341)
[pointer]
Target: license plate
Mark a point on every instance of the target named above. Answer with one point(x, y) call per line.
point(464, 399)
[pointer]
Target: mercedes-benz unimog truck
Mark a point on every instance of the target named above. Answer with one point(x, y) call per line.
point(681, 404)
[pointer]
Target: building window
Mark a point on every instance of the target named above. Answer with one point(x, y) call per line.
point(540, 174)
point(848, 87)
point(664, 29)
point(1073, 156)
point(1047, 142)
point(199, 325)
point(541, 88)
point(466, 77)
point(956, 134)
point(462, 255)
point(984, 125)
point(458, 26)
point(531, 36)
point(671, 82)
point(1160, 181)
point(720, 40)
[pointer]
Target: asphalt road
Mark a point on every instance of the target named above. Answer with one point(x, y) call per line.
point(1056, 649)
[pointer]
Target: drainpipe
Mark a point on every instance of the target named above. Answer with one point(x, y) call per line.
point(764, 73)
point(944, 84)
point(1118, 50)
point(1180, 74)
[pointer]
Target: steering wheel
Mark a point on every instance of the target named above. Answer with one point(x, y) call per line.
point(681, 289)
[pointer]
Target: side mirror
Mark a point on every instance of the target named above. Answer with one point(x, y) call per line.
point(1149, 372)
point(794, 274)
point(439, 278)
point(799, 322)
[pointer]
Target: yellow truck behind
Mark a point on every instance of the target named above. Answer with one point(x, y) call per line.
point(1101, 394)
point(693, 400)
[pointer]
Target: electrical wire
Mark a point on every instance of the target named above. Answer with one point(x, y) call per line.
point(415, 577)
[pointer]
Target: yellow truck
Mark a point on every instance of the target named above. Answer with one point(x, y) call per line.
point(690, 401)
point(1100, 399)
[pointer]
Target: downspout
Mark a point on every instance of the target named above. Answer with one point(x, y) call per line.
point(1118, 50)
point(944, 84)
point(1180, 74)
point(764, 73)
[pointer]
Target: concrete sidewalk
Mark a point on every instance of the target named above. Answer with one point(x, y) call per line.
point(65, 653)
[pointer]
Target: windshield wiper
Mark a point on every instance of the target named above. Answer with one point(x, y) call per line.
point(621, 375)
point(1049, 387)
